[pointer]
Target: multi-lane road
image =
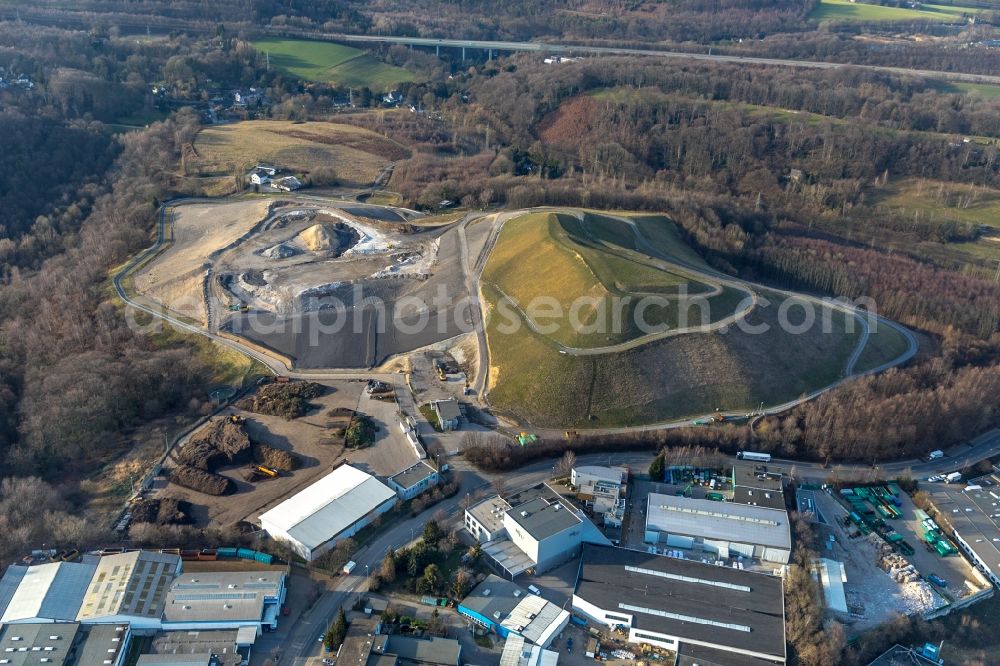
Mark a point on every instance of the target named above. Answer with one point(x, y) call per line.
point(579, 49)
point(85, 21)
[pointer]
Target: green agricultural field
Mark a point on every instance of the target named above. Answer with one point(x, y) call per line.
point(945, 201)
point(533, 377)
point(984, 90)
point(332, 63)
point(844, 10)
point(589, 267)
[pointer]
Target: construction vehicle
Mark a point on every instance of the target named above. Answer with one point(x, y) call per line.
point(233, 418)
point(267, 471)
point(376, 387)
point(442, 375)
point(526, 438)
point(570, 434)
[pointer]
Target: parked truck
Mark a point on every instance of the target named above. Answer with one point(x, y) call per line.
point(935, 455)
point(756, 457)
point(954, 477)
point(349, 567)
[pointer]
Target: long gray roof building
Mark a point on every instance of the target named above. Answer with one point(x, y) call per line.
point(671, 602)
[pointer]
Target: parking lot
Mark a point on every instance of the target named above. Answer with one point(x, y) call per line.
point(954, 569)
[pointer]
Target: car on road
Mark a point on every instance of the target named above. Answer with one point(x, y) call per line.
point(320, 639)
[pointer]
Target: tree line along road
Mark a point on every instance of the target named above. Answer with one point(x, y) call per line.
point(166, 24)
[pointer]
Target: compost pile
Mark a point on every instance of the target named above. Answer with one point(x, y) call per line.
point(222, 442)
point(279, 459)
point(202, 481)
point(289, 401)
point(166, 511)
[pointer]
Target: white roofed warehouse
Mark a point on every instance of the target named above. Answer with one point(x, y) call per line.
point(725, 529)
point(334, 508)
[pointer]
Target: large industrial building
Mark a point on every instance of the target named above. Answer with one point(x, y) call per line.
point(145, 592)
point(225, 600)
point(534, 529)
point(130, 587)
point(721, 529)
point(124, 587)
point(500, 606)
point(333, 508)
point(64, 644)
point(45, 592)
point(729, 616)
point(971, 513)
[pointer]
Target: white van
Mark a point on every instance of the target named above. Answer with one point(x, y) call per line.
point(534, 590)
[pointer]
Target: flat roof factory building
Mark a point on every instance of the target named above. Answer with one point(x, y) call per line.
point(724, 529)
point(333, 508)
point(684, 605)
point(971, 513)
point(509, 610)
point(206, 600)
point(535, 529)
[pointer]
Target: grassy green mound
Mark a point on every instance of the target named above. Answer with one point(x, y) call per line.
point(585, 280)
point(331, 63)
point(669, 379)
point(538, 377)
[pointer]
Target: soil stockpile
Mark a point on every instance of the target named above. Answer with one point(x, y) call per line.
point(280, 251)
point(202, 481)
point(221, 442)
point(166, 511)
point(278, 459)
point(335, 237)
point(289, 400)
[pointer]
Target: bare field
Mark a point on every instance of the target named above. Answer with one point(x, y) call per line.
point(175, 278)
point(303, 436)
point(355, 154)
